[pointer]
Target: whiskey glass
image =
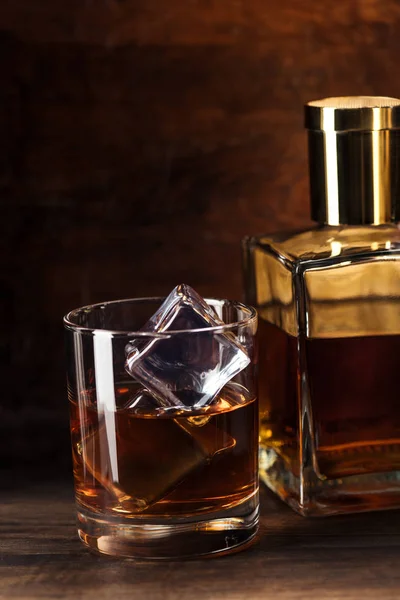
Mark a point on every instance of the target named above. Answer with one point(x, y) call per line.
point(153, 481)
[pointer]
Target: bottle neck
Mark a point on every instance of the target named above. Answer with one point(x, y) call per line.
point(355, 177)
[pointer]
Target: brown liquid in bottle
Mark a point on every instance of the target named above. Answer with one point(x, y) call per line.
point(353, 386)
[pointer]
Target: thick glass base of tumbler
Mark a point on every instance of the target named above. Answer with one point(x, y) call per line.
point(314, 497)
point(169, 538)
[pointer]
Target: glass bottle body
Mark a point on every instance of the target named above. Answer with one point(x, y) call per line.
point(329, 358)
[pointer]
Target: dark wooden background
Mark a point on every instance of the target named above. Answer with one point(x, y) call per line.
point(140, 140)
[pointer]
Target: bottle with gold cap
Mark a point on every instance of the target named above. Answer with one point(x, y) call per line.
point(329, 307)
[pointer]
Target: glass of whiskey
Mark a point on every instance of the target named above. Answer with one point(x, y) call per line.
point(164, 426)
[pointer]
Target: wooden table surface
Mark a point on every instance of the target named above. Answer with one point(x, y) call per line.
point(343, 557)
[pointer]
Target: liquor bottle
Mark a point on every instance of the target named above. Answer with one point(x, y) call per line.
point(329, 305)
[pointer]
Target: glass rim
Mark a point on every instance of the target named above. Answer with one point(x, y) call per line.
point(71, 326)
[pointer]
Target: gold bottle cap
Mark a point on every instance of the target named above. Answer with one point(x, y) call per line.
point(354, 159)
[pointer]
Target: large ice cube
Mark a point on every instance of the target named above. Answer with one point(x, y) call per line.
point(185, 369)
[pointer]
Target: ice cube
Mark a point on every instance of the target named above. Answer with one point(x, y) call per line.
point(185, 369)
point(151, 456)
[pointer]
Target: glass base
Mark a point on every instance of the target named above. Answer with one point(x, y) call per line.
point(353, 494)
point(170, 537)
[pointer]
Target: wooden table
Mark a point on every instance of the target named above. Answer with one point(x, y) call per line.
point(348, 557)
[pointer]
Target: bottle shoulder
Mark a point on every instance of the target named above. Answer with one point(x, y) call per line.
point(329, 242)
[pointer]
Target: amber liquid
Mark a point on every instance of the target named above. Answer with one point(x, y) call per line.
point(143, 463)
point(353, 390)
